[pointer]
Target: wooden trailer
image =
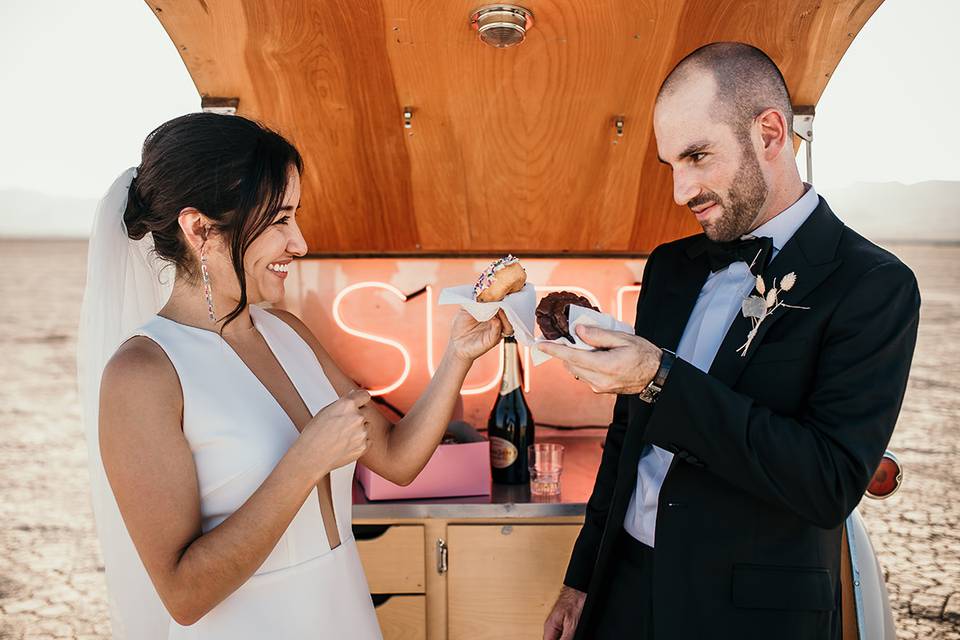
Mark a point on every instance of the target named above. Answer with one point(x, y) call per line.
point(430, 149)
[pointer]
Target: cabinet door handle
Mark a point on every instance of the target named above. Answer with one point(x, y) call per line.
point(442, 553)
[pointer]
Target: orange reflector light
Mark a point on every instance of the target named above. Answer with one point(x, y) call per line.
point(886, 479)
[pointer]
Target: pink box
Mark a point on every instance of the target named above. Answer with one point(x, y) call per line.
point(454, 470)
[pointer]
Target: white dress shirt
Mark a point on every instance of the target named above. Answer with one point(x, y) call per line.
point(717, 306)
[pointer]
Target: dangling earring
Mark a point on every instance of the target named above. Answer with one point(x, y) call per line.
point(207, 292)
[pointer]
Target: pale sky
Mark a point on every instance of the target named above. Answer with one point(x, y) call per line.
point(82, 83)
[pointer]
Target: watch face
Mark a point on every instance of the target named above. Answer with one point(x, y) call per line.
point(649, 393)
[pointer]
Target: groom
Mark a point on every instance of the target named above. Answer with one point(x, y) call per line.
point(734, 456)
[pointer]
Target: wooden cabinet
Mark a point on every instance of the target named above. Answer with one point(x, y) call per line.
point(504, 579)
point(498, 581)
point(393, 558)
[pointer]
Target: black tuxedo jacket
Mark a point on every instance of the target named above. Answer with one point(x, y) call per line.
point(773, 450)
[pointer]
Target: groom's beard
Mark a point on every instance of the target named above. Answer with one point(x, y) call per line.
point(742, 204)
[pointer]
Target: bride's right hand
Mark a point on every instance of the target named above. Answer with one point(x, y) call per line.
point(337, 435)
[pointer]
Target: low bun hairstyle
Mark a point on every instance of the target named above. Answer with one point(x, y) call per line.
point(231, 169)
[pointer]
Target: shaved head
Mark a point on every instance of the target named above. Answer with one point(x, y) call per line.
point(747, 80)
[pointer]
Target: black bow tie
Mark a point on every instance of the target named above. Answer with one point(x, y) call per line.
point(753, 251)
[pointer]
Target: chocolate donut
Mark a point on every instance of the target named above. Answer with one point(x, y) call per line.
point(552, 313)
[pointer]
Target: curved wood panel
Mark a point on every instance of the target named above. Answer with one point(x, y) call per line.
point(509, 149)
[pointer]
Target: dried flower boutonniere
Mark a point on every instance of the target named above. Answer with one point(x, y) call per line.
point(759, 307)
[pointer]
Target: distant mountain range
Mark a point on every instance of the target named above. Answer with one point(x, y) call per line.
point(882, 211)
point(890, 211)
point(25, 214)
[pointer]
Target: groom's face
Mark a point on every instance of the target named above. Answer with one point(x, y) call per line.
point(715, 171)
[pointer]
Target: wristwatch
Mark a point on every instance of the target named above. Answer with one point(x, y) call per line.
point(650, 392)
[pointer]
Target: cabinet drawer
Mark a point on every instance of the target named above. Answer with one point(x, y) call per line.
point(392, 557)
point(402, 617)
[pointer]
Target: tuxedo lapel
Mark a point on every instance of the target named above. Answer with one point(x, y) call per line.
point(664, 317)
point(681, 288)
point(811, 255)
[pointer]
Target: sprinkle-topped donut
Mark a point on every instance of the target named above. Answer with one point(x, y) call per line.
point(495, 283)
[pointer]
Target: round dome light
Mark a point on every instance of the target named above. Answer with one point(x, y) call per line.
point(501, 25)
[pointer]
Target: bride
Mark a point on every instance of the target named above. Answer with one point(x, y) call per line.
point(228, 435)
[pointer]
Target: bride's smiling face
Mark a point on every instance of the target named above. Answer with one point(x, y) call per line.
point(267, 259)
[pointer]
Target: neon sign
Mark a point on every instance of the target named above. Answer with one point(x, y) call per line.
point(375, 338)
point(379, 320)
point(431, 367)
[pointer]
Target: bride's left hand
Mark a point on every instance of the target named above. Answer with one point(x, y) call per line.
point(470, 339)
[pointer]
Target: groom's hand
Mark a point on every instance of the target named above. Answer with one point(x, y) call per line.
point(623, 363)
point(562, 621)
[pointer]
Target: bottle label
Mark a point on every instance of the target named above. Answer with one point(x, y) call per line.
point(503, 453)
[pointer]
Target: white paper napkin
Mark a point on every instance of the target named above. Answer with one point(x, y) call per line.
point(521, 310)
point(576, 317)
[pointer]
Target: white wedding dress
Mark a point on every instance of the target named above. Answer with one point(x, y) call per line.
point(238, 433)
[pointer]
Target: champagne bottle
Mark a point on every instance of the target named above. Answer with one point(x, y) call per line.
point(510, 427)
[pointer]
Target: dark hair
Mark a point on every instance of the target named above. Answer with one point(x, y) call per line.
point(748, 83)
point(231, 169)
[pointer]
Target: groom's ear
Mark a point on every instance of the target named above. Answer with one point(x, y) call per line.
point(774, 133)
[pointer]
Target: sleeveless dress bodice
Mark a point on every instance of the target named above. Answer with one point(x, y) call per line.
point(237, 433)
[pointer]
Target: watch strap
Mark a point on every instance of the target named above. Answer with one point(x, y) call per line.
point(654, 387)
